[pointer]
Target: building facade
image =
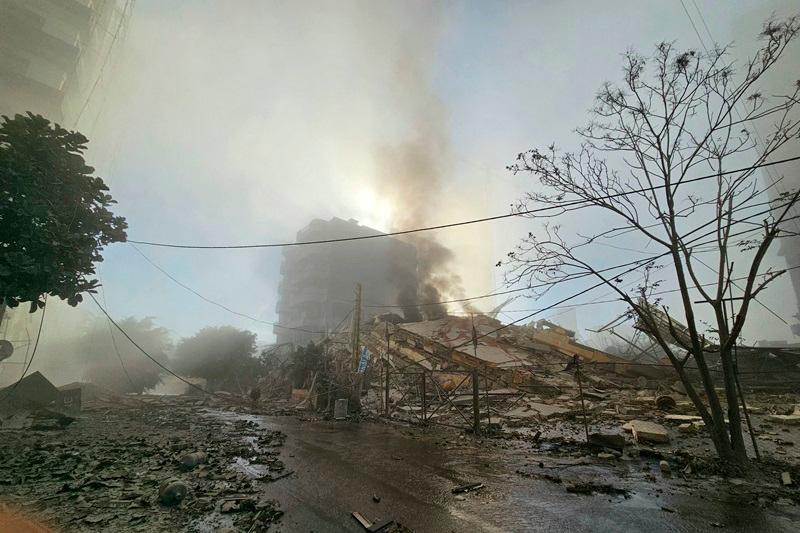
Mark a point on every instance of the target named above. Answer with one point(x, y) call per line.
point(55, 53)
point(317, 289)
point(55, 59)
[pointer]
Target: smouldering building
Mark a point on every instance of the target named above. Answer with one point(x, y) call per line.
point(317, 289)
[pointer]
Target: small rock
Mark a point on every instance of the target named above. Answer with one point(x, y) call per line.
point(666, 403)
point(172, 492)
point(460, 498)
point(376, 498)
point(647, 431)
point(607, 440)
point(664, 466)
point(190, 460)
point(786, 479)
point(229, 506)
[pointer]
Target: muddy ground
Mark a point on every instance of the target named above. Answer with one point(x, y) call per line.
point(302, 473)
point(105, 471)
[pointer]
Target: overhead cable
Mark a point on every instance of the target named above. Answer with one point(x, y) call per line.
point(561, 206)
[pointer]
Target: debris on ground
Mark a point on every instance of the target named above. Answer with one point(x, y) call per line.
point(148, 464)
point(469, 487)
point(590, 487)
point(644, 431)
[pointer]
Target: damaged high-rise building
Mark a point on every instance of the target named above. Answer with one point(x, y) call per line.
point(317, 289)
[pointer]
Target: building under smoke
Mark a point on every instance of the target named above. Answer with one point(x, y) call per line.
point(54, 54)
point(317, 290)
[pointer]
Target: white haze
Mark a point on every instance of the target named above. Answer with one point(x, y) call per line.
point(237, 122)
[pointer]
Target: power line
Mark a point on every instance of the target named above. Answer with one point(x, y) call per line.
point(114, 340)
point(212, 302)
point(562, 206)
point(584, 291)
point(33, 354)
point(105, 61)
point(579, 276)
point(597, 302)
point(759, 138)
point(153, 359)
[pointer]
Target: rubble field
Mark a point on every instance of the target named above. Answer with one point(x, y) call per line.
point(187, 463)
point(145, 464)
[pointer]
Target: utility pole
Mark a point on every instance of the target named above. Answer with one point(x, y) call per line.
point(386, 367)
point(580, 389)
point(356, 344)
point(476, 409)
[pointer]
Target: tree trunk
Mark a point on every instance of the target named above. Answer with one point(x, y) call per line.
point(734, 415)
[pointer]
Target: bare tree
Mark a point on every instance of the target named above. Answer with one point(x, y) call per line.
point(669, 157)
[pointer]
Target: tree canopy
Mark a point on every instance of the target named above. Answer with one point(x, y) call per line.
point(113, 362)
point(222, 355)
point(54, 214)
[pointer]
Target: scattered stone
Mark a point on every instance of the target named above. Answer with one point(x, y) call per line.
point(647, 431)
point(376, 498)
point(588, 487)
point(190, 460)
point(684, 418)
point(460, 498)
point(614, 441)
point(786, 479)
point(666, 403)
point(664, 466)
point(172, 492)
point(789, 420)
point(469, 487)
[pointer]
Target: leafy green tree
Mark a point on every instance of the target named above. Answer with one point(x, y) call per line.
point(54, 216)
point(305, 360)
point(113, 362)
point(223, 356)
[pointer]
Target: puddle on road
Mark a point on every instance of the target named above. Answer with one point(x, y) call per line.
point(253, 471)
point(211, 523)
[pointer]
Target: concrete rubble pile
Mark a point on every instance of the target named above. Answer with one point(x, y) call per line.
point(523, 372)
point(135, 462)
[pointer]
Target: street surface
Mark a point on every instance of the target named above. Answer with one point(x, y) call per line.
point(341, 465)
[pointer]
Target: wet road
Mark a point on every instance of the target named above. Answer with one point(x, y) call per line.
point(340, 465)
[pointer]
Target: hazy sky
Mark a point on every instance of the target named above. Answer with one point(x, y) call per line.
point(240, 121)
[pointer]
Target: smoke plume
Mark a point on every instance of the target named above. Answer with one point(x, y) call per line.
point(411, 173)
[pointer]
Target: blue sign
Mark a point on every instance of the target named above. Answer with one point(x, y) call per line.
point(362, 363)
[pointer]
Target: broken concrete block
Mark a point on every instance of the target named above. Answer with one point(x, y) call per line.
point(792, 420)
point(786, 479)
point(545, 410)
point(607, 440)
point(686, 428)
point(647, 431)
point(172, 492)
point(683, 418)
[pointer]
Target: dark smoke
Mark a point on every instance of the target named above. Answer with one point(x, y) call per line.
point(411, 174)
